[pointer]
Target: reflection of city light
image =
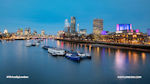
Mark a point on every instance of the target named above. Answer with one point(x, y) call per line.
point(109, 51)
point(62, 45)
point(58, 43)
point(89, 48)
point(77, 46)
point(97, 50)
point(129, 54)
point(46, 42)
point(85, 48)
point(143, 57)
point(119, 61)
point(135, 57)
point(81, 45)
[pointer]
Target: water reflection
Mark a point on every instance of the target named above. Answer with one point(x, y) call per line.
point(143, 57)
point(119, 62)
point(62, 45)
point(109, 51)
point(135, 58)
point(121, 57)
point(58, 43)
point(105, 61)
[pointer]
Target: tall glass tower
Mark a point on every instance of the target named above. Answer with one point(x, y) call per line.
point(73, 25)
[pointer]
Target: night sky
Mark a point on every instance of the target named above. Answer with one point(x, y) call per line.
point(51, 14)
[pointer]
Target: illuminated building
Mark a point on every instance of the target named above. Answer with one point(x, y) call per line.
point(35, 32)
point(77, 28)
point(73, 25)
point(148, 32)
point(121, 27)
point(26, 32)
point(104, 32)
point(82, 32)
point(42, 33)
point(97, 26)
point(5, 31)
point(132, 36)
point(29, 31)
point(20, 32)
point(67, 26)
point(137, 30)
point(60, 33)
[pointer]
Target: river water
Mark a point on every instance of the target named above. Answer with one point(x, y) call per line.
point(103, 68)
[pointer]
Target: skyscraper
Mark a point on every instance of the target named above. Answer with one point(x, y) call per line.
point(97, 26)
point(67, 26)
point(73, 25)
point(77, 28)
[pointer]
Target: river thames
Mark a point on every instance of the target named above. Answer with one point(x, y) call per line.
point(42, 68)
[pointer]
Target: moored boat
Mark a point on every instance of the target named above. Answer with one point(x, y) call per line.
point(28, 44)
point(37, 44)
point(84, 55)
point(46, 47)
point(33, 44)
point(73, 56)
point(56, 51)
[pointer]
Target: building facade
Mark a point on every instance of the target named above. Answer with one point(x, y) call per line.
point(20, 32)
point(122, 27)
point(97, 26)
point(73, 25)
point(67, 26)
point(82, 32)
point(42, 33)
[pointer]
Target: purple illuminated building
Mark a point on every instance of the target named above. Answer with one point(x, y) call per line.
point(103, 33)
point(137, 30)
point(148, 32)
point(121, 27)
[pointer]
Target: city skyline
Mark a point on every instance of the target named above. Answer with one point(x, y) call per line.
point(52, 14)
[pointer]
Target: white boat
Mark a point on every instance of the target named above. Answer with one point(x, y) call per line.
point(56, 51)
point(37, 44)
point(84, 55)
point(28, 44)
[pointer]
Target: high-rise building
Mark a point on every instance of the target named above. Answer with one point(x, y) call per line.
point(73, 25)
point(97, 26)
point(67, 26)
point(77, 28)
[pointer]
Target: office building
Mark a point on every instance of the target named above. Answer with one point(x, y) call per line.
point(73, 25)
point(97, 26)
